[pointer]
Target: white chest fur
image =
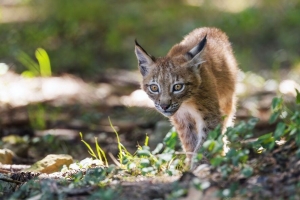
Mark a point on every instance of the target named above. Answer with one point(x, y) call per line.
point(186, 111)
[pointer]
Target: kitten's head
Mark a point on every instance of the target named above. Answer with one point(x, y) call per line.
point(169, 81)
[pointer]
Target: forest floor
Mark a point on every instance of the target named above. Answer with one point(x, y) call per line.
point(39, 120)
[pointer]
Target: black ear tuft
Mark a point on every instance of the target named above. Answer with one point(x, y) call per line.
point(137, 44)
point(196, 56)
point(202, 43)
point(197, 49)
point(145, 61)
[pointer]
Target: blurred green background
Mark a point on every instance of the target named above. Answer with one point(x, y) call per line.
point(86, 38)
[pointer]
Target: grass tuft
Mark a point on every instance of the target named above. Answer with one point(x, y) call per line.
point(100, 153)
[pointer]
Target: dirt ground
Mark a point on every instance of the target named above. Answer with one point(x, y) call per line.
point(39, 120)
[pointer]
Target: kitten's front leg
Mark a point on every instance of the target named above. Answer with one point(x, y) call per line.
point(201, 138)
point(209, 123)
point(188, 136)
point(191, 139)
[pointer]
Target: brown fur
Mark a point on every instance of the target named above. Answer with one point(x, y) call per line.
point(209, 79)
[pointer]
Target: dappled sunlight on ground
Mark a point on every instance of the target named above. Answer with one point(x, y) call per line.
point(16, 90)
point(250, 83)
point(137, 98)
point(255, 93)
point(288, 87)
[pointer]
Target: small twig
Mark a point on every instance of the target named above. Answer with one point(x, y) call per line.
point(114, 159)
point(11, 180)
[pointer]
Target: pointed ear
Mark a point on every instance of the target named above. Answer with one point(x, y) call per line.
point(196, 55)
point(145, 60)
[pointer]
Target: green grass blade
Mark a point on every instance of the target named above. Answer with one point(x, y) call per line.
point(101, 152)
point(118, 140)
point(88, 146)
point(147, 141)
point(44, 61)
point(97, 149)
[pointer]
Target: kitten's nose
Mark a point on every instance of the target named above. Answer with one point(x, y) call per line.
point(165, 106)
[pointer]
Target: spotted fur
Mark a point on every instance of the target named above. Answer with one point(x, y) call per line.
point(204, 66)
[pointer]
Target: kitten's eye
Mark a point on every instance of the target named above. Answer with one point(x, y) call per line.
point(177, 87)
point(153, 88)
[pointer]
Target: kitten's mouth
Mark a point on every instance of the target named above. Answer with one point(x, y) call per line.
point(168, 113)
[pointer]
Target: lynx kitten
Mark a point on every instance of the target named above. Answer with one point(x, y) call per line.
point(193, 85)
